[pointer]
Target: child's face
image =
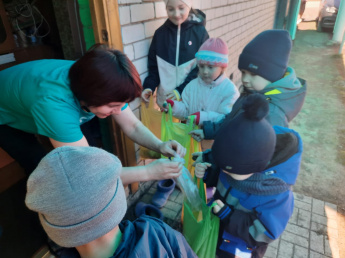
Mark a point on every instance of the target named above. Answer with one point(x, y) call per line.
point(253, 82)
point(208, 73)
point(177, 11)
point(238, 177)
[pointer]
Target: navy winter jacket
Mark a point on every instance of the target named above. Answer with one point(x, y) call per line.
point(257, 209)
point(171, 59)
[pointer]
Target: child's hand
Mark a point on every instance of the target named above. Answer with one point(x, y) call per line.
point(166, 103)
point(196, 117)
point(200, 169)
point(146, 94)
point(218, 207)
point(197, 156)
point(197, 135)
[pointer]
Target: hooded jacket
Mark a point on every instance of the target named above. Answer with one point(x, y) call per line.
point(145, 237)
point(257, 209)
point(286, 97)
point(171, 58)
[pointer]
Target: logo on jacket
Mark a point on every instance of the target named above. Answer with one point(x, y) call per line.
point(253, 66)
point(190, 43)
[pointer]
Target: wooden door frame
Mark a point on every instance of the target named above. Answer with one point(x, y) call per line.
point(107, 30)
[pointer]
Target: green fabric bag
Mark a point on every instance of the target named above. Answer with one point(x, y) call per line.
point(201, 228)
point(179, 132)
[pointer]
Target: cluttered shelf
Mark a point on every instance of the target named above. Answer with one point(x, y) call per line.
point(26, 33)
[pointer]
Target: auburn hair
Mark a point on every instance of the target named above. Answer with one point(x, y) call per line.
point(104, 75)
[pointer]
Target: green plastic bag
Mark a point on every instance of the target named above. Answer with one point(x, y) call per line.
point(171, 130)
point(201, 228)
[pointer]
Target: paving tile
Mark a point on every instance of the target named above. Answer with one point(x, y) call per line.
point(275, 243)
point(317, 255)
point(332, 223)
point(285, 249)
point(174, 195)
point(303, 205)
point(173, 206)
point(323, 229)
point(300, 252)
point(331, 247)
point(171, 214)
point(271, 252)
point(331, 210)
point(297, 230)
point(304, 218)
point(318, 207)
point(303, 198)
point(293, 219)
point(295, 239)
point(317, 242)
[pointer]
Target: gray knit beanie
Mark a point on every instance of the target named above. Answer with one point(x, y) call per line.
point(78, 194)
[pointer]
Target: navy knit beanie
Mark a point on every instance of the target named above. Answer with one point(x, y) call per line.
point(267, 55)
point(246, 144)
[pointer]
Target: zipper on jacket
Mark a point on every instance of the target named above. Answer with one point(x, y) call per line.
point(177, 52)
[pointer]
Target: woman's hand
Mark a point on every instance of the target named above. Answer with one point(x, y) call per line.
point(146, 94)
point(171, 148)
point(200, 169)
point(163, 169)
point(218, 207)
point(197, 135)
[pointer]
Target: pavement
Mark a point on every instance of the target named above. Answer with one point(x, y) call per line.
point(317, 226)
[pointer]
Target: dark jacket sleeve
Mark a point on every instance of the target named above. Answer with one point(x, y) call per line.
point(241, 223)
point(152, 80)
point(211, 173)
point(210, 128)
point(193, 73)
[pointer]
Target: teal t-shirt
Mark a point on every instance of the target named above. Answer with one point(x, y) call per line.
point(35, 97)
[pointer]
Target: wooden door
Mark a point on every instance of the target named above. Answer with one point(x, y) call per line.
point(107, 30)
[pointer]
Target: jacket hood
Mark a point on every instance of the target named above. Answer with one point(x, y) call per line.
point(287, 93)
point(195, 17)
point(288, 168)
point(280, 176)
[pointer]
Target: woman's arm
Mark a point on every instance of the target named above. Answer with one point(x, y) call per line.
point(140, 134)
point(157, 170)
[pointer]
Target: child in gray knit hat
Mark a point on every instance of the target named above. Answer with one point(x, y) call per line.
point(79, 197)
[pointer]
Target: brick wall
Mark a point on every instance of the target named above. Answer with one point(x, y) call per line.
point(235, 21)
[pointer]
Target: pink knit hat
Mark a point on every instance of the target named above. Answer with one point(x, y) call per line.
point(187, 2)
point(214, 51)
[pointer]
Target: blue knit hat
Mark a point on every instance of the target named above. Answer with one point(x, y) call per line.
point(267, 55)
point(246, 144)
point(78, 194)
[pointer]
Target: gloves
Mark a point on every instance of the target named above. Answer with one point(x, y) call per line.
point(171, 102)
point(197, 117)
point(224, 212)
